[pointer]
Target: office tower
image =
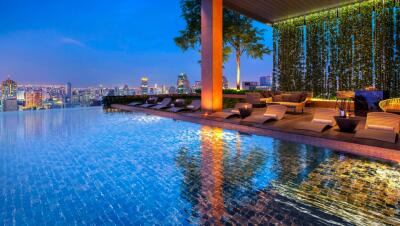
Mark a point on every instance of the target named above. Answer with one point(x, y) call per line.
point(68, 93)
point(125, 90)
point(144, 85)
point(34, 99)
point(172, 90)
point(8, 88)
point(68, 90)
point(20, 94)
point(183, 84)
point(9, 104)
point(266, 81)
point(196, 85)
point(225, 84)
point(249, 85)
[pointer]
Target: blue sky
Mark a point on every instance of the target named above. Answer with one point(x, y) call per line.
point(102, 42)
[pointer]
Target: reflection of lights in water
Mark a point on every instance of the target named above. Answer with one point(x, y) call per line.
point(212, 172)
point(147, 119)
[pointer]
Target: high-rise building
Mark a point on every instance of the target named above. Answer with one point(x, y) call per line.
point(183, 84)
point(68, 90)
point(196, 85)
point(8, 88)
point(249, 85)
point(68, 93)
point(21, 94)
point(225, 84)
point(9, 104)
point(125, 90)
point(34, 99)
point(172, 90)
point(266, 81)
point(144, 85)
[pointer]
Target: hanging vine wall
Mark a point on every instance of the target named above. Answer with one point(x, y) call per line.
point(352, 47)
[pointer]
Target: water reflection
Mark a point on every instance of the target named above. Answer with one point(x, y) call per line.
point(218, 176)
point(232, 181)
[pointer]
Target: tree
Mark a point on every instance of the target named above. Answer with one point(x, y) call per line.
point(239, 34)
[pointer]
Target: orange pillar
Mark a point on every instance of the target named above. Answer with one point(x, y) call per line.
point(211, 55)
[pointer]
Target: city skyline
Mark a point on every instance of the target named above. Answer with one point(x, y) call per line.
point(90, 44)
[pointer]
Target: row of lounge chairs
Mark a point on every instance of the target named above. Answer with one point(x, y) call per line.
point(379, 125)
point(273, 112)
point(168, 105)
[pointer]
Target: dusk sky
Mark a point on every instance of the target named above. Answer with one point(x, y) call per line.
point(102, 42)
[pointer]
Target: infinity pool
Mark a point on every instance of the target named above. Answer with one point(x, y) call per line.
point(88, 166)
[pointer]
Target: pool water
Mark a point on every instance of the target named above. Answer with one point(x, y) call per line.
point(89, 166)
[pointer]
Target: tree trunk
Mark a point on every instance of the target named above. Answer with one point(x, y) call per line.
point(238, 69)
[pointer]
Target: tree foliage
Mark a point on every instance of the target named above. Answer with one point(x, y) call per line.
point(239, 33)
point(352, 47)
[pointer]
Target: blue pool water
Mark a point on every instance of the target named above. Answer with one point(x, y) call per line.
point(90, 166)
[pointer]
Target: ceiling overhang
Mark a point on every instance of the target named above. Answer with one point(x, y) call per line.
point(271, 11)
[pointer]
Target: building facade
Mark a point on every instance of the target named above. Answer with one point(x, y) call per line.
point(183, 85)
point(249, 85)
point(144, 86)
point(225, 84)
point(33, 99)
point(8, 88)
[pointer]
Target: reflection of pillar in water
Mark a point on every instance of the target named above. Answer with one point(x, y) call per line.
point(211, 202)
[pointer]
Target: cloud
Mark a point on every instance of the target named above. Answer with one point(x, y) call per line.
point(71, 41)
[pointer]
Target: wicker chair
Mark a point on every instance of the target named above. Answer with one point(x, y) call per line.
point(390, 105)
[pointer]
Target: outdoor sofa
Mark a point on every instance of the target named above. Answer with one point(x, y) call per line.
point(294, 101)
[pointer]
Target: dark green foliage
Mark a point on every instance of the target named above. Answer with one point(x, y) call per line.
point(290, 44)
point(240, 36)
point(349, 48)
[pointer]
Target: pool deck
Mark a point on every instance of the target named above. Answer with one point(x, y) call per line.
point(284, 130)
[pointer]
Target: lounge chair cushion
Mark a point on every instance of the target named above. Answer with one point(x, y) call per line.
point(374, 134)
point(322, 121)
point(314, 127)
point(270, 115)
point(380, 127)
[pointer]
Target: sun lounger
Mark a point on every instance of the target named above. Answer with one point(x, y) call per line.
point(273, 112)
point(194, 106)
point(232, 113)
point(135, 103)
point(163, 104)
point(150, 102)
point(381, 126)
point(323, 119)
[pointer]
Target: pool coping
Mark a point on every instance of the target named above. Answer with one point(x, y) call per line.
point(386, 154)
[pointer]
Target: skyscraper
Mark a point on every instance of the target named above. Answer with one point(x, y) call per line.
point(183, 84)
point(125, 90)
point(8, 88)
point(144, 85)
point(68, 93)
point(34, 99)
point(225, 84)
point(266, 81)
point(68, 90)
